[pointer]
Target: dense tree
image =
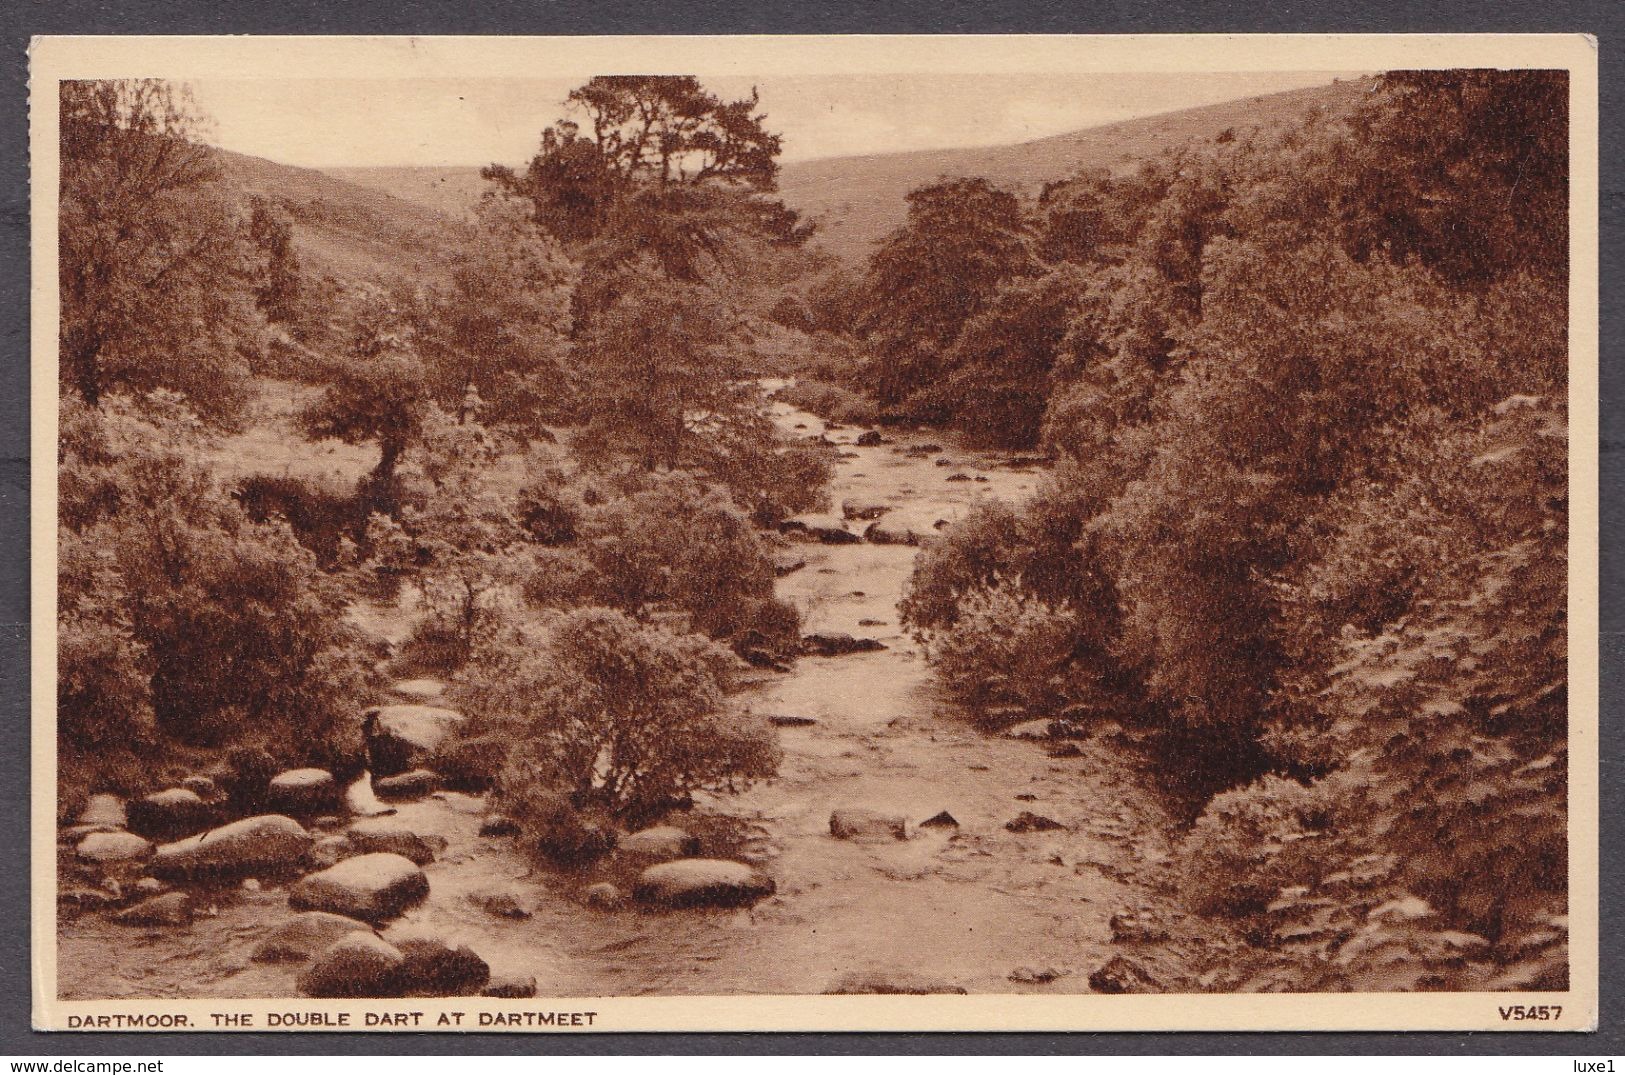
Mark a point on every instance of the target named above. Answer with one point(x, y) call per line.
point(376, 392)
point(618, 715)
point(1309, 527)
point(995, 383)
point(500, 331)
point(154, 269)
point(963, 239)
point(279, 295)
point(650, 146)
point(1466, 171)
point(183, 618)
point(664, 201)
point(659, 369)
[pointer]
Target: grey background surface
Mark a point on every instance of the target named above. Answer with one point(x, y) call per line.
point(20, 19)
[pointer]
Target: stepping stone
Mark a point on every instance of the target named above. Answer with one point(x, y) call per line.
point(702, 883)
point(369, 887)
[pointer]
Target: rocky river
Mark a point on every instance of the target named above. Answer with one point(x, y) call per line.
point(972, 906)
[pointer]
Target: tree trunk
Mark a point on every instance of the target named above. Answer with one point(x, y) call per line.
point(389, 453)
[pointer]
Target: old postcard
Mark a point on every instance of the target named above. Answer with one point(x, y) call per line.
point(769, 533)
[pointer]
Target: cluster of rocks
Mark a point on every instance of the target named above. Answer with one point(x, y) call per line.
point(143, 862)
point(677, 877)
point(838, 644)
point(340, 956)
point(349, 884)
point(877, 826)
point(167, 857)
point(883, 527)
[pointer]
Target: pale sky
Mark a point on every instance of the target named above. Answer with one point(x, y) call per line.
point(325, 123)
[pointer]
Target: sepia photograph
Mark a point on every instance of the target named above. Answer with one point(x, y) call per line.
point(986, 543)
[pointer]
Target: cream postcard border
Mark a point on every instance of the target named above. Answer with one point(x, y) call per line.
point(53, 59)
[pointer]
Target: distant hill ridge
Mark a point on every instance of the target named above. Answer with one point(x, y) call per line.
point(859, 199)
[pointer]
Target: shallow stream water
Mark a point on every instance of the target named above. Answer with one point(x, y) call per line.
point(976, 908)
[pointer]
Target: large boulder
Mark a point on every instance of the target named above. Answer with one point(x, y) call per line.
point(432, 968)
point(893, 532)
point(662, 843)
point(424, 691)
point(413, 784)
point(499, 825)
point(306, 935)
point(356, 965)
point(104, 809)
point(850, 824)
point(473, 763)
point(702, 883)
point(269, 842)
point(369, 887)
point(205, 788)
point(330, 851)
point(108, 848)
point(790, 720)
point(869, 439)
point(76, 900)
point(503, 902)
point(170, 909)
point(376, 835)
point(305, 792)
point(603, 895)
point(1027, 821)
point(169, 813)
point(403, 737)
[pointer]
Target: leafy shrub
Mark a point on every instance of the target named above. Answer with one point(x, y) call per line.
point(472, 762)
point(185, 623)
point(561, 578)
point(323, 518)
point(829, 401)
point(550, 507)
point(676, 544)
point(1005, 649)
point(981, 548)
point(552, 823)
point(616, 715)
point(1249, 844)
point(104, 691)
point(457, 538)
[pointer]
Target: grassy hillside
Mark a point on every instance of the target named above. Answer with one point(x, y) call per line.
point(345, 230)
point(857, 200)
point(449, 191)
